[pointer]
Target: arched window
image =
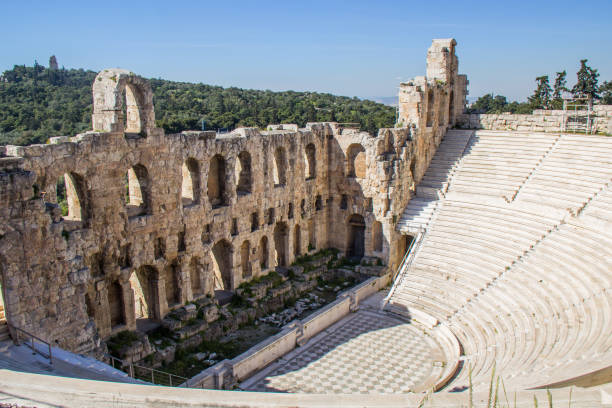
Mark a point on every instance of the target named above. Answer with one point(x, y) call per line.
point(72, 197)
point(356, 161)
point(377, 236)
point(191, 182)
point(263, 253)
point(243, 173)
point(280, 167)
point(245, 250)
point(122, 102)
point(138, 191)
point(310, 161)
point(216, 181)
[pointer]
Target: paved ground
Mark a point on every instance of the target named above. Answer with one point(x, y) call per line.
point(366, 352)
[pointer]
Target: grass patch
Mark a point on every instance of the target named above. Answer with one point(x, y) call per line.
point(122, 339)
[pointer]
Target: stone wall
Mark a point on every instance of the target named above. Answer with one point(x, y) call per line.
point(293, 335)
point(154, 220)
point(553, 121)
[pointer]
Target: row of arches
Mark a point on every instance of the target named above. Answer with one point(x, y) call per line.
point(149, 292)
point(72, 192)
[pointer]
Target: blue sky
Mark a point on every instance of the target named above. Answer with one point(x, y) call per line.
point(353, 48)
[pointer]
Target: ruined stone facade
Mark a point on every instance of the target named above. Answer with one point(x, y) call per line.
point(154, 220)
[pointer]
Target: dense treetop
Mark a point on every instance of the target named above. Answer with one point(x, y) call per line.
point(37, 103)
point(545, 97)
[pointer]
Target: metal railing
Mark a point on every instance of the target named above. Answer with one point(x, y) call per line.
point(31, 341)
point(405, 264)
point(146, 373)
point(578, 115)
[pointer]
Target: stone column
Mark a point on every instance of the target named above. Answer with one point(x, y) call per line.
point(102, 309)
point(160, 304)
point(129, 308)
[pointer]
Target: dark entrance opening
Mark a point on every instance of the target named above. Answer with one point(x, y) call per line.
point(356, 236)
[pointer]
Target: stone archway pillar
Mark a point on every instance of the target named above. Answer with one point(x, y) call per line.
point(129, 307)
point(160, 304)
point(102, 309)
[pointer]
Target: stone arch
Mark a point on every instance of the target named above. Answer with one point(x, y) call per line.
point(280, 167)
point(310, 160)
point(172, 284)
point(222, 265)
point(116, 304)
point(263, 253)
point(377, 236)
point(281, 238)
point(196, 277)
point(190, 188)
point(245, 252)
point(356, 161)
point(216, 181)
point(297, 240)
point(132, 111)
point(144, 284)
point(243, 173)
point(122, 102)
point(138, 191)
point(72, 197)
point(355, 236)
point(430, 108)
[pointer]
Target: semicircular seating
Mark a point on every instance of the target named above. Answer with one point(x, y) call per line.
point(525, 281)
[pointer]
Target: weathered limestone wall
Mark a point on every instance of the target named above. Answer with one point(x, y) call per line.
point(157, 220)
point(552, 121)
point(428, 105)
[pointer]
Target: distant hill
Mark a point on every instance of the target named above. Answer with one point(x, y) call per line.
point(37, 103)
point(385, 100)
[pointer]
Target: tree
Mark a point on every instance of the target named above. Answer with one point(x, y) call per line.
point(558, 88)
point(36, 103)
point(606, 93)
point(586, 86)
point(489, 104)
point(541, 96)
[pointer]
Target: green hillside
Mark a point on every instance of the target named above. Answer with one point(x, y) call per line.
point(37, 103)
